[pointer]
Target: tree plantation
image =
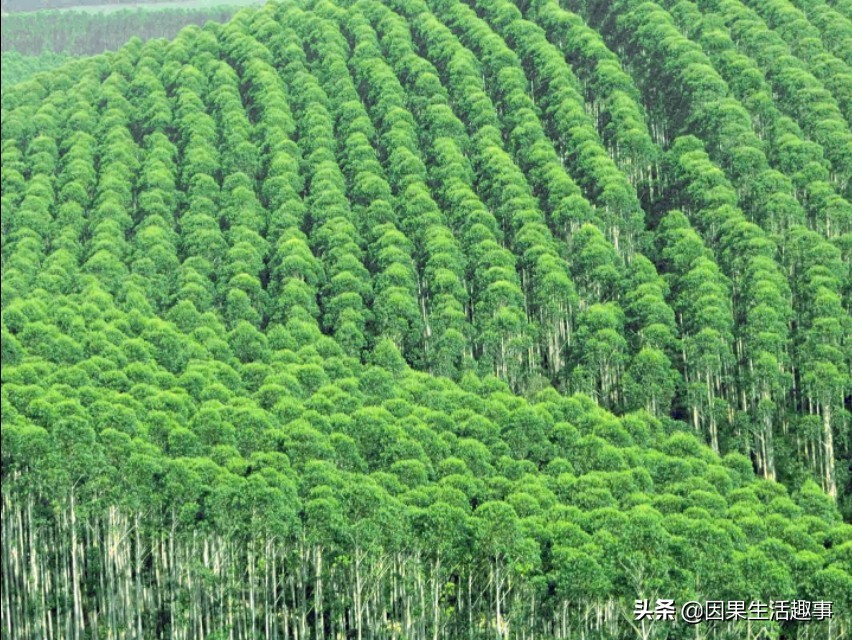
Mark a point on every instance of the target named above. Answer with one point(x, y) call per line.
point(432, 320)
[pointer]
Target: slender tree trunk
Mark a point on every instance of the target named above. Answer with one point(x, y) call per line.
point(828, 443)
point(79, 622)
point(319, 626)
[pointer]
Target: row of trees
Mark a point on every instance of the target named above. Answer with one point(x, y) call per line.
point(226, 256)
point(835, 27)
point(558, 95)
point(593, 363)
point(800, 94)
point(514, 319)
point(609, 93)
point(805, 43)
point(787, 148)
point(700, 295)
point(647, 25)
point(550, 296)
point(442, 302)
point(509, 296)
point(833, 315)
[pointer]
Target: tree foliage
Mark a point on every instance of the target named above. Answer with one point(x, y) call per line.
point(429, 319)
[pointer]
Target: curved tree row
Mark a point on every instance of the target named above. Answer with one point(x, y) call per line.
point(615, 101)
point(557, 91)
point(499, 308)
point(294, 273)
point(203, 246)
point(221, 418)
point(650, 380)
point(643, 17)
point(442, 265)
point(702, 301)
point(505, 187)
point(760, 348)
point(800, 94)
point(787, 148)
point(396, 311)
point(806, 43)
point(346, 289)
point(695, 99)
point(602, 357)
point(563, 204)
point(112, 219)
point(154, 242)
point(541, 288)
point(29, 222)
point(835, 28)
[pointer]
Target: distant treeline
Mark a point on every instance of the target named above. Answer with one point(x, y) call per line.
point(78, 33)
point(10, 6)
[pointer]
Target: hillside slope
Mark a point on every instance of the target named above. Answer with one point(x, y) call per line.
point(429, 319)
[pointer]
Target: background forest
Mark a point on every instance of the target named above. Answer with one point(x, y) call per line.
point(80, 33)
point(34, 40)
point(427, 319)
point(15, 6)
